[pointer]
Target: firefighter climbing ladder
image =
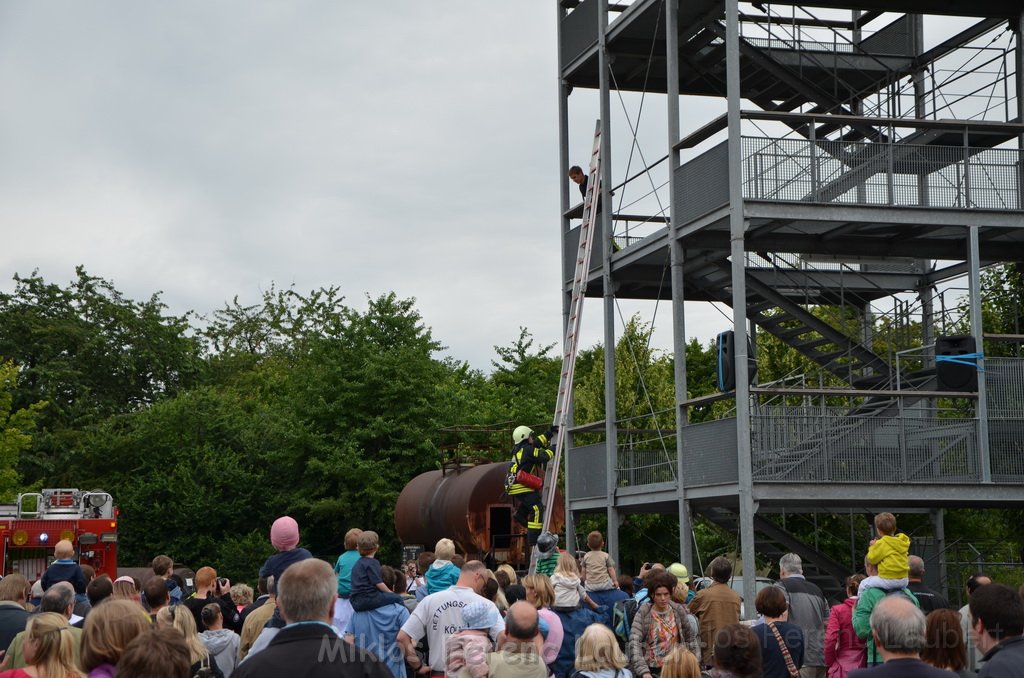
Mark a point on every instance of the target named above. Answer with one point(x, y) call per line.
point(571, 344)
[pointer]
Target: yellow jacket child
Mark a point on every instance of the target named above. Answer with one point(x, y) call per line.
point(890, 553)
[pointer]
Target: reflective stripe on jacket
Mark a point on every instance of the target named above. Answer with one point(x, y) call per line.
point(527, 457)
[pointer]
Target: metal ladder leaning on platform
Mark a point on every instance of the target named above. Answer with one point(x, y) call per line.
point(570, 346)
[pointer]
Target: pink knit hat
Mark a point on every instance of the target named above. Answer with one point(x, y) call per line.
point(284, 533)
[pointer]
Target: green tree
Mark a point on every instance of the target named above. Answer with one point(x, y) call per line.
point(526, 380)
point(16, 427)
point(371, 389)
point(644, 381)
point(91, 353)
point(1002, 308)
point(199, 474)
point(702, 379)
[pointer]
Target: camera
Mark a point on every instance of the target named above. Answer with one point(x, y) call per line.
point(647, 566)
point(222, 582)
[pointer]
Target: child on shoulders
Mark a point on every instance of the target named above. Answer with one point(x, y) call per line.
point(368, 588)
point(890, 552)
point(598, 567)
point(284, 536)
point(569, 590)
point(442, 573)
point(64, 568)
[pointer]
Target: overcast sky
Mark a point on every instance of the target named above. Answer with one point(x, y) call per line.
point(209, 149)
point(206, 150)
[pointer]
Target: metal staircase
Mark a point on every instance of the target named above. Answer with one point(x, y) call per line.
point(826, 346)
point(790, 322)
point(820, 82)
point(773, 542)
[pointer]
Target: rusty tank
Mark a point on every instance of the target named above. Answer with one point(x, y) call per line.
point(466, 503)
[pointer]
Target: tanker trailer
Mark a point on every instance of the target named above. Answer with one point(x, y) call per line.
point(467, 504)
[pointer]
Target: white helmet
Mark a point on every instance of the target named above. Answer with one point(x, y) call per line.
point(521, 433)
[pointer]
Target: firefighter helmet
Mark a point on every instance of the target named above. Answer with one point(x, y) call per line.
point(521, 433)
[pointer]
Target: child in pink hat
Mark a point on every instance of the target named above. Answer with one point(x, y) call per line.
point(284, 535)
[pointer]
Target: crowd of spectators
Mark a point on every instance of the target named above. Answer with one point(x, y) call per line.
point(442, 615)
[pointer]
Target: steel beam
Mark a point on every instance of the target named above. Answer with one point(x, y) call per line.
point(974, 285)
point(737, 226)
point(612, 437)
point(676, 274)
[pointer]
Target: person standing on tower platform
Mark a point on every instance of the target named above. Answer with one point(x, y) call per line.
point(580, 179)
point(530, 454)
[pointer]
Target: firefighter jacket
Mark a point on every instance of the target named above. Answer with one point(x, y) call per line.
point(530, 458)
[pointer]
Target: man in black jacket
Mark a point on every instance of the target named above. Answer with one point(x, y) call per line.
point(929, 598)
point(212, 589)
point(579, 178)
point(997, 629)
point(582, 181)
point(308, 645)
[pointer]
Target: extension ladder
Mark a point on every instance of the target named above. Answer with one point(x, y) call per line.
point(572, 331)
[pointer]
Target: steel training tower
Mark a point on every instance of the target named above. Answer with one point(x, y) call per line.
point(856, 166)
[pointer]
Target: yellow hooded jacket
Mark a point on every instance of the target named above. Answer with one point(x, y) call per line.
point(889, 552)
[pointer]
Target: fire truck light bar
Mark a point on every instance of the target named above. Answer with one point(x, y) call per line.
point(108, 537)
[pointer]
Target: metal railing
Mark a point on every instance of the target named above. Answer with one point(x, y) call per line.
point(1004, 386)
point(804, 44)
point(638, 464)
point(925, 441)
point(827, 444)
point(1000, 560)
point(860, 173)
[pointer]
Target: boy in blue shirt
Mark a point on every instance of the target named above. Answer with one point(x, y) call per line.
point(64, 568)
point(368, 588)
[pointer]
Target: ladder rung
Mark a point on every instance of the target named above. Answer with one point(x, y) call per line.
point(571, 343)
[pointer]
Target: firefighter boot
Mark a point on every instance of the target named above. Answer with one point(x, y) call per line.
point(522, 513)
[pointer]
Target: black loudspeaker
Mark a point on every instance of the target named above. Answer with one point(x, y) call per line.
point(727, 362)
point(956, 364)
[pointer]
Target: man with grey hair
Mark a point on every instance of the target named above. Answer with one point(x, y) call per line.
point(59, 598)
point(808, 610)
point(929, 599)
point(308, 645)
point(898, 629)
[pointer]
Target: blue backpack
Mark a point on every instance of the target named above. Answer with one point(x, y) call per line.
point(623, 613)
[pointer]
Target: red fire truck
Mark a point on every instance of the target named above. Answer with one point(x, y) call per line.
point(30, 528)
